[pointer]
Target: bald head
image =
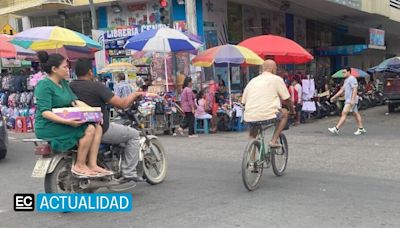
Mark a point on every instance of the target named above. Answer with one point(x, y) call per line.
point(269, 66)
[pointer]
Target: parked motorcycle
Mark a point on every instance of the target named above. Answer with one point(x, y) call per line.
point(325, 107)
point(56, 167)
point(380, 98)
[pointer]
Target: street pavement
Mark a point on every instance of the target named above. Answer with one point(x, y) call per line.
point(331, 181)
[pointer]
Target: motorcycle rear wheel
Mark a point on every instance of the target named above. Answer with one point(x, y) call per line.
point(61, 180)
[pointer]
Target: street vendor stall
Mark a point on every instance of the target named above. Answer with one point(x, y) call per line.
point(227, 55)
point(166, 113)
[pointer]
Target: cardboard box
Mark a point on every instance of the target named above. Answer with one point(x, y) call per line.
point(87, 114)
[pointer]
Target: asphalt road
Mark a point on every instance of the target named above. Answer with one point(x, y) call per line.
point(331, 181)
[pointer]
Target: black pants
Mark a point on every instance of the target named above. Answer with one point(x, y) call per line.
point(189, 122)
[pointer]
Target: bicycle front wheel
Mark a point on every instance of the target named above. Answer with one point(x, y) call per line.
point(279, 157)
point(252, 167)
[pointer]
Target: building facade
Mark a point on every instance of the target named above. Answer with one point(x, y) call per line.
point(358, 33)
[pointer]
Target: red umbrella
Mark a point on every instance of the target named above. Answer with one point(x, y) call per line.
point(7, 50)
point(283, 50)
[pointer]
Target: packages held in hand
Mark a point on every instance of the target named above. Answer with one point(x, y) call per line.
point(87, 114)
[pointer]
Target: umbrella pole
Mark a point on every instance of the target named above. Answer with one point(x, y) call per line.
point(229, 84)
point(213, 72)
point(166, 72)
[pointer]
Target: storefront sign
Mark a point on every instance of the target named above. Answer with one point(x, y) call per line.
point(376, 37)
point(8, 29)
point(137, 6)
point(100, 56)
point(129, 31)
point(341, 50)
point(180, 25)
point(10, 62)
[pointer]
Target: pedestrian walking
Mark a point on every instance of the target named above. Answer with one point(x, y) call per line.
point(350, 87)
point(188, 106)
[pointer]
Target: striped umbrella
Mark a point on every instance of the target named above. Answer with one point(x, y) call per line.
point(53, 37)
point(354, 71)
point(163, 40)
point(118, 67)
point(9, 50)
point(227, 55)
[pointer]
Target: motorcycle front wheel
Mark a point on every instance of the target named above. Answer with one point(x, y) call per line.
point(155, 163)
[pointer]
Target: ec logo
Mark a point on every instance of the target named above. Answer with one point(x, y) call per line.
point(24, 202)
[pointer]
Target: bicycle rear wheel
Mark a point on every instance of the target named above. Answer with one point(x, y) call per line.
point(252, 168)
point(279, 157)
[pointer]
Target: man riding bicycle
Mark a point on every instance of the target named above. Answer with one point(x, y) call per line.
point(262, 99)
point(96, 94)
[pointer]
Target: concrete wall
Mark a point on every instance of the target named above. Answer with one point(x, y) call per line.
point(86, 2)
point(217, 12)
point(381, 7)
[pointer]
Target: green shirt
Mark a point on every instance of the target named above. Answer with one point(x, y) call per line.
point(49, 95)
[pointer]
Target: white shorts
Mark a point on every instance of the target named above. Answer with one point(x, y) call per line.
point(349, 108)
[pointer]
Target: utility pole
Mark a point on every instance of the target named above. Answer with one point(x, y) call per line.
point(93, 14)
point(191, 18)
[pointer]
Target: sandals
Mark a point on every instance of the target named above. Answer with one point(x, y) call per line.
point(85, 175)
point(82, 175)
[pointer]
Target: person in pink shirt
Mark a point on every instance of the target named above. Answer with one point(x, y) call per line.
point(188, 106)
point(201, 106)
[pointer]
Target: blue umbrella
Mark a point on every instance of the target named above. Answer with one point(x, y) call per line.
point(392, 64)
point(163, 40)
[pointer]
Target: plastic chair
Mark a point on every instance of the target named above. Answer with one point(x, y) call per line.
point(238, 125)
point(204, 128)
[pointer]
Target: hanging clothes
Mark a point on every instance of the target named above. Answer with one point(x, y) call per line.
point(308, 94)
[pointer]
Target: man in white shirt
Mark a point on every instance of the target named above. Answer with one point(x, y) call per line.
point(299, 102)
point(262, 99)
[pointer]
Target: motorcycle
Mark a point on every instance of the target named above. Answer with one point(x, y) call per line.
point(380, 98)
point(56, 167)
point(325, 107)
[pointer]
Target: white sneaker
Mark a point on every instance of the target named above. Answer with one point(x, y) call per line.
point(193, 136)
point(360, 131)
point(334, 130)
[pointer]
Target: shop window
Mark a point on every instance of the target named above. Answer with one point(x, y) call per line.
point(74, 22)
point(19, 25)
point(38, 21)
point(56, 20)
